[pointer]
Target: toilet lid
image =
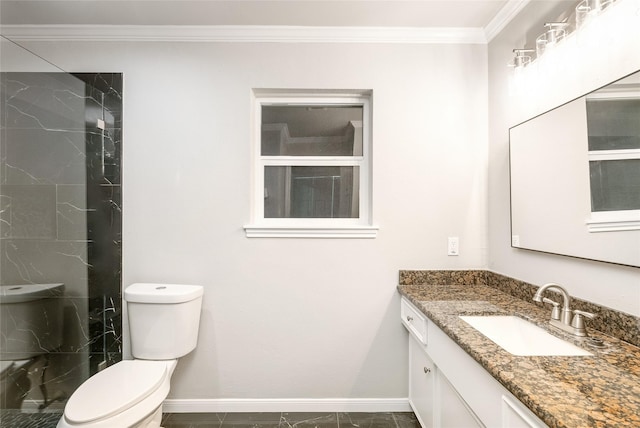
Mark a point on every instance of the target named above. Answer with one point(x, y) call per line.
point(115, 389)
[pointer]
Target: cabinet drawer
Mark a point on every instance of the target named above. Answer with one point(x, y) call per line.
point(415, 322)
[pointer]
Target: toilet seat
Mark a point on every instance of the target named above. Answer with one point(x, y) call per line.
point(120, 395)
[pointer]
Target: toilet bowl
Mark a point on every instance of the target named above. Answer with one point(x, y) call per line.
point(127, 394)
point(163, 323)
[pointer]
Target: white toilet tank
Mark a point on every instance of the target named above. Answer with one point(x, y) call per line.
point(163, 319)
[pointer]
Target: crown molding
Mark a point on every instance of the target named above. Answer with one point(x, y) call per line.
point(503, 17)
point(246, 34)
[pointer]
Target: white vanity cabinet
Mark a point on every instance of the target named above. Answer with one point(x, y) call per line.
point(453, 411)
point(422, 374)
point(448, 388)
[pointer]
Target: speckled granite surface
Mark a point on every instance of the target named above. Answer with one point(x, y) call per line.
point(602, 390)
point(614, 323)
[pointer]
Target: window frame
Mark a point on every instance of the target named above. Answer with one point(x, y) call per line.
point(361, 227)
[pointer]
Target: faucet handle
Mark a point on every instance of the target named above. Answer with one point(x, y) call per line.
point(578, 319)
point(555, 312)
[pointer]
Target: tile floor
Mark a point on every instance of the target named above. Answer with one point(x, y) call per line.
point(14, 419)
point(290, 420)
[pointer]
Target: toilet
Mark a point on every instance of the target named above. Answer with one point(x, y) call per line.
point(163, 323)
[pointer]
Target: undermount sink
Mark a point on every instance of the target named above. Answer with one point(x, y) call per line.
point(521, 337)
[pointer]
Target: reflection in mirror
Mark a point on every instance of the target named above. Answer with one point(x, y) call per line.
point(575, 177)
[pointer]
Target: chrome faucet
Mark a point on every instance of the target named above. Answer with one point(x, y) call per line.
point(571, 321)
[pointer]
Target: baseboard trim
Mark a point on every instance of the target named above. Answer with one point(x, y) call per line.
point(228, 405)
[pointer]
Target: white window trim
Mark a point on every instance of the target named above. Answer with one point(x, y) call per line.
point(261, 227)
point(613, 221)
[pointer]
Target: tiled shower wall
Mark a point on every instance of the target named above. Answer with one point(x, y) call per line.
point(60, 215)
point(104, 218)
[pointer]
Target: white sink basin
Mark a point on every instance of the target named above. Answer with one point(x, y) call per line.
point(520, 337)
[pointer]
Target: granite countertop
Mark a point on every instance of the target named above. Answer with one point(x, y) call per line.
point(602, 390)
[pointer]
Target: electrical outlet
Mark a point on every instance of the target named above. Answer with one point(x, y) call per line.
point(454, 246)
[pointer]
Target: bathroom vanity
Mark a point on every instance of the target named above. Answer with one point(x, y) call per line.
point(459, 377)
point(447, 388)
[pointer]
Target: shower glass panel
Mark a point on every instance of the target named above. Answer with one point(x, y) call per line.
point(59, 316)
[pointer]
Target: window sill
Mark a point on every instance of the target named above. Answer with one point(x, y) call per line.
point(612, 225)
point(350, 232)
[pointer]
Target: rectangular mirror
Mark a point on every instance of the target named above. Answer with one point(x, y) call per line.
point(575, 177)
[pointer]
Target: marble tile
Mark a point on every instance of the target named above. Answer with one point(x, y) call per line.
point(40, 156)
point(45, 147)
point(44, 100)
point(291, 420)
point(366, 420)
point(406, 420)
point(5, 214)
point(308, 420)
point(255, 420)
point(44, 262)
point(72, 212)
point(32, 211)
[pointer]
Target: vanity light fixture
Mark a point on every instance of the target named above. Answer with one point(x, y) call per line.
point(556, 32)
point(586, 10)
point(522, 58)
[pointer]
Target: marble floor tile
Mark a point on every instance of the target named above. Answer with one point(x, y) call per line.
point(291, 420)
point(366, 420)
point(16, 419)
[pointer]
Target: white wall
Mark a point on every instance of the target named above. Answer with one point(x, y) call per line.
point(578, 71)
point(293, 318)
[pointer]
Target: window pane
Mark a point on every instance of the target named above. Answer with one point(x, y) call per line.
point(615, 185)
point(311, 130)
point(613, 124)
point(311, 192)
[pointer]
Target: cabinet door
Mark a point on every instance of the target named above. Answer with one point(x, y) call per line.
point(516, 415)
point(453, 411)
point(421, 383)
